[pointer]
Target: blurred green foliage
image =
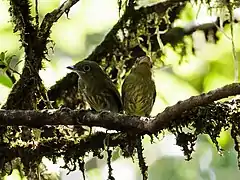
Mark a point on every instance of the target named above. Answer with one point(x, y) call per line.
point(210, 67)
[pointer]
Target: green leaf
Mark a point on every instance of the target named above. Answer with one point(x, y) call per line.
point(4, 80)
point(2, 56)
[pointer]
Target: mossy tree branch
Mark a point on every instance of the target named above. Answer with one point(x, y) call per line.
point(29, 89)
point(29, 82)
point(200, 113)
point(115, 121)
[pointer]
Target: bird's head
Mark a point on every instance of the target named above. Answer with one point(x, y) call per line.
point(145, 60)
point(87, 70)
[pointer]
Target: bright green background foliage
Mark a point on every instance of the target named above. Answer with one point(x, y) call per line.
point(212, 67)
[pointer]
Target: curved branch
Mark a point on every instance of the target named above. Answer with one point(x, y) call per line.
point(115, 121)
point(53, 16)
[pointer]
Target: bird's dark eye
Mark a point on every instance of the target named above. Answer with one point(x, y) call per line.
point(86, 68)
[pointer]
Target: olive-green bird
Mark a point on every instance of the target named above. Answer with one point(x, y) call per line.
point(138, 89)
point(97, 87)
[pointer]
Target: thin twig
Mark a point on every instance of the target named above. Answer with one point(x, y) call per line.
point(235, 60)
point(37, 15)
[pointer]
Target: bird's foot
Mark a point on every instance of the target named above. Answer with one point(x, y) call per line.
point(64, 109)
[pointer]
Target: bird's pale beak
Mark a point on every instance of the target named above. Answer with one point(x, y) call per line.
point(71, 67)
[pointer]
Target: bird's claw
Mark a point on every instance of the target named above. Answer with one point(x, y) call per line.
point(64, 109)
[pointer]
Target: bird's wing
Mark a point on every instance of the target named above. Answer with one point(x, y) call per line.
point(127, 88)
point(114, 94)
point(139, 96)
point(154, 93)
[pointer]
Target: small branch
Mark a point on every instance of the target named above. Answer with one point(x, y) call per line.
point(235, 60)
point(52, 17)
point(111, 120)
point(11, 76)
point(37, 14)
